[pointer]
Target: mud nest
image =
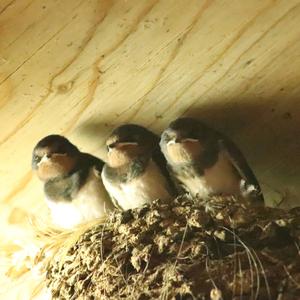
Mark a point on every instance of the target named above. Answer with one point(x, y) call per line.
point(180, 251)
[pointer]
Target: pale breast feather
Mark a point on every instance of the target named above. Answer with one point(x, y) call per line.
point(145, 188)
point(89, 203)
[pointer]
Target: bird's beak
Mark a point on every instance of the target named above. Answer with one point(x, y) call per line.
point(172, 142)
point(119, 145)
point(127, 144)
point(45, 158)
point(189, 140)
point(176, 140)
point(175, 137)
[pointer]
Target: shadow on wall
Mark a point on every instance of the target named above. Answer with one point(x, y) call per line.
point(96, 129)
point(266, 130)
point(268, 133)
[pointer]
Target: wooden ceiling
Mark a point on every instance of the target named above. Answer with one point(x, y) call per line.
point(81, 67)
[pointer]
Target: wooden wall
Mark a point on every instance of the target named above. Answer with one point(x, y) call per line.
point(81, 67)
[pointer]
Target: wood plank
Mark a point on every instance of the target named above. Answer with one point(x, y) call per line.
point(80, 68)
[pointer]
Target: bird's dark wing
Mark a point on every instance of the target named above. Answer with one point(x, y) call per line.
point(161, 162)
point(106, 173)
point(179, 187)
point(241, 166)
point(115, 202)
point(159, 159)
point(88, 160)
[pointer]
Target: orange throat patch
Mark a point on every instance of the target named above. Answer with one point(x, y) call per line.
point(183, 152)
point(118, 158)
point(123, 155)
point(55, 167)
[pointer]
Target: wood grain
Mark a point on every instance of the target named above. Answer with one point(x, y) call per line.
point(80, 68)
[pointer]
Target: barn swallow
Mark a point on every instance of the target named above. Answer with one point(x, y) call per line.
point(135, 172)
point(204, 163)
point(74, 193)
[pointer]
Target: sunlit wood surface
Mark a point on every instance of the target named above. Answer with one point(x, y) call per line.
point(81, 67)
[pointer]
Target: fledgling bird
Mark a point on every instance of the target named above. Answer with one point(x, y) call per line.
point(74, 193)
point(135, 172)
point(204, 163)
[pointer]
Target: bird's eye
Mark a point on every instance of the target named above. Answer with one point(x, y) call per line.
point(133, 138)
point(193, 134)
point(111, 146)
point(36, 159)
point(60, 150)
point(167, 137)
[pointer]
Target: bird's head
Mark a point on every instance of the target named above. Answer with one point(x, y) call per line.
point(184, 140)
point(54, 156)
point(128, 142)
